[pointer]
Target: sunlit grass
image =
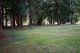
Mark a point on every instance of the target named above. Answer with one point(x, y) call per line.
point(65, 39)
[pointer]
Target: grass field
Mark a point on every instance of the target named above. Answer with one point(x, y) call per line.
point(42, 39)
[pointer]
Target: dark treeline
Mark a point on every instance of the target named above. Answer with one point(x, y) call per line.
point(15, 12)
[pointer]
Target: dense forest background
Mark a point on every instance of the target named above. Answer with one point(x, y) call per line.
point(13, 13)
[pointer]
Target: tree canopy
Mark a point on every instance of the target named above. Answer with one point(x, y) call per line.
point(60, 11)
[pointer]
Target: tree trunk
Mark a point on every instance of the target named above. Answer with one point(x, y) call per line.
point(1, 32)
point(0, 23)
point(50, 21)
point(6, 19)
point(2, 15)
point(21, 22)
point(18, 21)
point(13, 18)
point(39, 21)
point(72, 21)
point(53, 21)
point(30, 13)
point(30, 16)
point(58, 22)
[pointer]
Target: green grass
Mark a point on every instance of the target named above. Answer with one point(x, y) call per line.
point(59, 39)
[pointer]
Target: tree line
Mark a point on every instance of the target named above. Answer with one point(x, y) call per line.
point(59, 11)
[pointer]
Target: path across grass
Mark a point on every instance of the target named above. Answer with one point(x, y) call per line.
point(43, 39)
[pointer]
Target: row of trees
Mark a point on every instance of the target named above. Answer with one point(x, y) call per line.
point(60, 11)
point(17, 11)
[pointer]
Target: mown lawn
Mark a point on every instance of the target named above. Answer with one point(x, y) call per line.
point(43, 39)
